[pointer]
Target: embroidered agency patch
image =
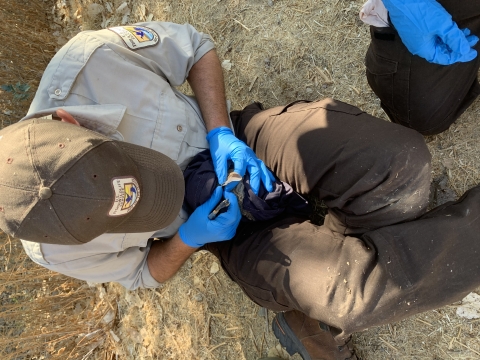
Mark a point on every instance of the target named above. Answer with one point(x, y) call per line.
point(127, 195)
point(136, 37)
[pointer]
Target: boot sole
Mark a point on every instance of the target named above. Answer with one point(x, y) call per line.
point(287, 338)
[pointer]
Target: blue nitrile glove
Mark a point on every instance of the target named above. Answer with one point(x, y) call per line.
point(427, 30)
point(225, 146)
point(200, 230)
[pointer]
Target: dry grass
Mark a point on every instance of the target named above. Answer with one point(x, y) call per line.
point(47, 314)
point(281, 51)
point(42, 314)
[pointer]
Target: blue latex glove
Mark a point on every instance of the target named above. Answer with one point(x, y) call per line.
point(225, 146)
point(427, 30)
point(200, 230)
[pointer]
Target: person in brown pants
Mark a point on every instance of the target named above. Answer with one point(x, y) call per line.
point(418, 94)
point(378, 258)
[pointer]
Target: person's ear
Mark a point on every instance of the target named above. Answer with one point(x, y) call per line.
point(67, 117)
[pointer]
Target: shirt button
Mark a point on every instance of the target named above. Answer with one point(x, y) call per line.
point(179, 128)
point(58, 92)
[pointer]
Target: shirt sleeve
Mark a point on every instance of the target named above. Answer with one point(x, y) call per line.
point(100, 260)
point(178, 48)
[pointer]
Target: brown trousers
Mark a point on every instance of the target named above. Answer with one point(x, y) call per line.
point(415, 93)
point(370, 263)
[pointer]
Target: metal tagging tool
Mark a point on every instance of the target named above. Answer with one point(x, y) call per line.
point(224, 204)
point(232, 177)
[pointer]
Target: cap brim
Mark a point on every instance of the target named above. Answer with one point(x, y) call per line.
point(161, 192)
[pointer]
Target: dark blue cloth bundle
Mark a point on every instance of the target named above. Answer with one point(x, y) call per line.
point(200, 181)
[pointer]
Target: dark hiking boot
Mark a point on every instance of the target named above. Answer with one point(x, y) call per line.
point(310, 338)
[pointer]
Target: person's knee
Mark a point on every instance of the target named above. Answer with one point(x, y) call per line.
point(425, 120)
point(409, 168)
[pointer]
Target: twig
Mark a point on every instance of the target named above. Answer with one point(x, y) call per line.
point(242, 24)
point(253, 82)
point(388, 344)
point(217, 346)
point(467, 347)
point(423, 321)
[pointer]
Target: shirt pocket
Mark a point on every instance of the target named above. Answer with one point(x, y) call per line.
point(171, 127)
point(380, 75)
point(135, 240)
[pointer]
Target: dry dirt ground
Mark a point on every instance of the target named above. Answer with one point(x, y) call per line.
point(274, 52)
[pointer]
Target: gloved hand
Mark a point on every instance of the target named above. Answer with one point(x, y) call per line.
point(225, 146)
point(427, 30)
point(200, 230)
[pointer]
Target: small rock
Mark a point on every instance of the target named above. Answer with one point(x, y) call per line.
point(109, 317)
point(135, 336)
point(78, 308)
point(214, 268)
point(278, 353)
point(448, 163)
point(199, 297)
point(227, 65)
point(270, 3)
point(470, 308)
point(94, 9)
point(123, 9)
point(114, 336)
point(109, 6)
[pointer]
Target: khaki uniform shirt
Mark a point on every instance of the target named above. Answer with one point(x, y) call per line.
point(119, 82)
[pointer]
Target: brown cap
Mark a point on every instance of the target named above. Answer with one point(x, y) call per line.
point(64, 184)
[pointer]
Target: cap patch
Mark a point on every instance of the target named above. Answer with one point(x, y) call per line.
point(127, 195)
point(136, 37)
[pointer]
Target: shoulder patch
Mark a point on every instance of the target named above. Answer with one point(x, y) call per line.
point(136, 37)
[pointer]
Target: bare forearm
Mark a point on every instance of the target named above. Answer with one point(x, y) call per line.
point(165, 258)
point(206, 80)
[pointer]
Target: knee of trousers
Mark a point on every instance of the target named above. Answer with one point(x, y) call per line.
point(425, 120)
point(409, 168)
